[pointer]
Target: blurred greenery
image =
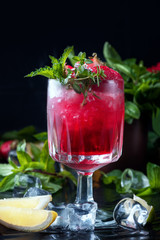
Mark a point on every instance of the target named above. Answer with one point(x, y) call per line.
point(141, 87)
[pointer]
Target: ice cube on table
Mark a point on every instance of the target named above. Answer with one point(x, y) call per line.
point(62, 221)
point(130, 213)
point(34, 191)
point(82, 216)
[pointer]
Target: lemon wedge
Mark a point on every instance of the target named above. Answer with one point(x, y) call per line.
point(38, 202)
point(26, 219)
point(150, 209)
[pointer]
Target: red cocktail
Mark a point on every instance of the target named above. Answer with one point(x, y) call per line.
point(85, 112)
point(86, 136)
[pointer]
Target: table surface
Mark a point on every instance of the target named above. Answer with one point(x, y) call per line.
point(106, 197)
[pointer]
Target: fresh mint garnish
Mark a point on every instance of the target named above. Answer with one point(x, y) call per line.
point(57, 70)
point(80, 77)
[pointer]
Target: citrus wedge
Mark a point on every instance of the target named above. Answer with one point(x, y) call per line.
point(26, 219)
point(38, 202)
point(150, 209)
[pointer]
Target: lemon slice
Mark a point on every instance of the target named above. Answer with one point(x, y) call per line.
point(150, 209)
point(38, 202)
point(26, 219)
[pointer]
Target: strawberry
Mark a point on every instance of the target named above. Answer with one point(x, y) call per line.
point(109, 72)
point(5, 149)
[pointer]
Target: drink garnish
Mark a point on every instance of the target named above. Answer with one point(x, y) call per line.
point(80, 77)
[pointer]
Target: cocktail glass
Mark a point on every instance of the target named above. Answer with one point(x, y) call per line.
point(85, 136)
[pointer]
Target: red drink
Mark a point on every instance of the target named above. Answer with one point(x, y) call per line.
point(86, 137)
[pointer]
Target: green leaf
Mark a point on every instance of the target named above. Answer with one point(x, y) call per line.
point(112, 176)
point(153, 173)
point(76, 59)
point(46, 72)
point(21, 147)
point(124, 69)
point(5, 169)
point(53, 60)
point(51, 187)
point(49, 166)
point(23, 158)
point(27, 131)
point(24, 133)
point(47, 183)
point(34, 165)
point(42, 137)
point(14, 166)
point(130, 61)
point(10, 135)
point(152, 138)
point(146, 192)
point(64, 56)
point(71, 58)
point(77, 88)
point(69, 175)
point(46, 159)
point(156, 121)
point(131, 110)
point(44, 153)
point(7, 183)
point(35, 151)
point(110, 54)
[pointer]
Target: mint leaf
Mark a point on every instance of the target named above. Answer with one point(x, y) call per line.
point(130, 61)
point(5, 169)
point(7, 183)
point(64, 56)
point(23, 158)
point(153, 173)
point(124, 69)
point(51, 187)
point(34, 165)
point(24, 133)
point(12, 164)
point(42, 137)
point(69, 175)
point(112, 177)
point(36, 152)
point(46, 72)
point(27, 132)
point(21, 146)
point(44, 153)
point(53, 60)
point(10, 135)
point(71, 57)
point(46, 159)
point(131, 110)
point(156, 121)
point(110, 54)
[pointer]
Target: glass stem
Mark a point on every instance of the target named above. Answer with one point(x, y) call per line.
point(84, 188)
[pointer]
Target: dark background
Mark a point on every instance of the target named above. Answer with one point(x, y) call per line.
point(29, 33)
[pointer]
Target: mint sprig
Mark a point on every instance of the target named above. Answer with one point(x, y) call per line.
point(40, 166)
point(80, 78)
point(57, 70)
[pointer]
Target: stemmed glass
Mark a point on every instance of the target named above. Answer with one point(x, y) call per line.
point(85, 136)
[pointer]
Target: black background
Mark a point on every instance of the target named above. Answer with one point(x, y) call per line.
point(29, 33)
